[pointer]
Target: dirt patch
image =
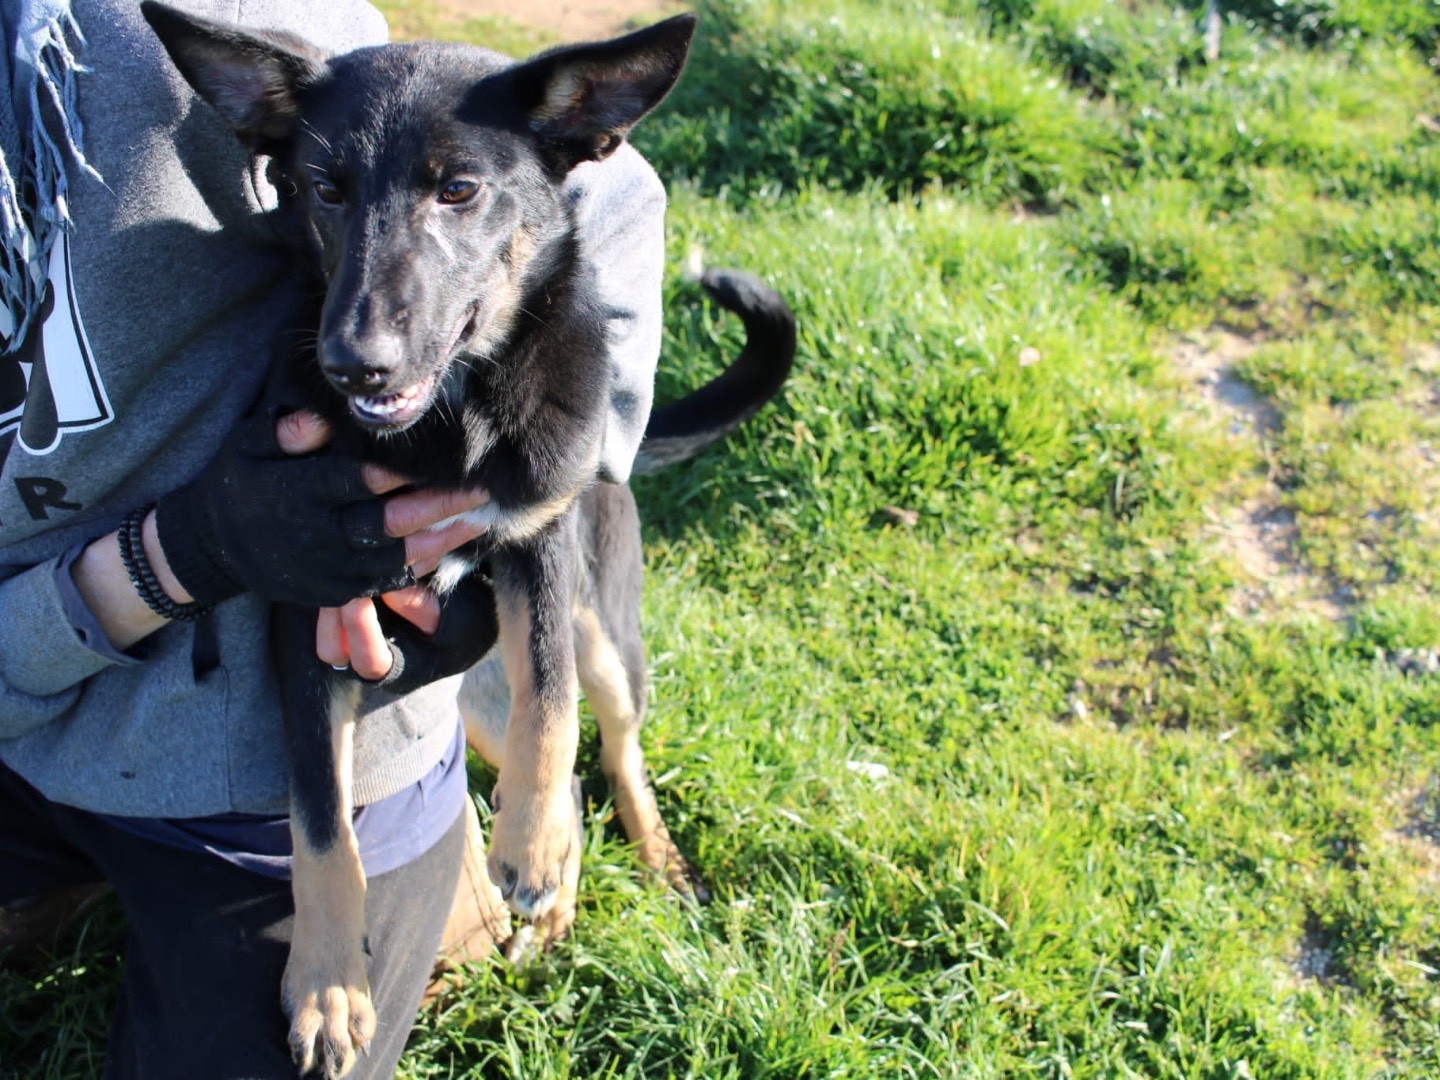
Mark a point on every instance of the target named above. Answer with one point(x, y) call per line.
point(1418, 834)
point(1209, 363)
point(1314, 959)
point(1260, 535)
point(569, 20)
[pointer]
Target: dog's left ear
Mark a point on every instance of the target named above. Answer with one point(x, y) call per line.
point(250, 77)
point(582, 100)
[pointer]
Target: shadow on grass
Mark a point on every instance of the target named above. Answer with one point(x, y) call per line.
point(57, 1006)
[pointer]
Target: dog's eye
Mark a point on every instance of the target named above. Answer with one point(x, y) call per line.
point(458, 191)
point(327, 193)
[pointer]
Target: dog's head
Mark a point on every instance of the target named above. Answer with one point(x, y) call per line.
point(427, 179)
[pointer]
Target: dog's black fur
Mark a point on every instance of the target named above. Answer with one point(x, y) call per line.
point(460, 344)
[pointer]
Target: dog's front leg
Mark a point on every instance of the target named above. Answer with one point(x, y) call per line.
point(535, 842)
point(325, 991)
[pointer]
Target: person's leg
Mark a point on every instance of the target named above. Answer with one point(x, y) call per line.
point(405, 915)
point(207, 947)
point(45, 884)
point(207, 942)
point(36, 856)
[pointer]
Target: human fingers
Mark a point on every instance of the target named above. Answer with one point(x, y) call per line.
point(381, 480)
point(330, 638)
point(424, 550)
point(417, 605)
point(370, 655)
point(412, 511)
point(301, 432)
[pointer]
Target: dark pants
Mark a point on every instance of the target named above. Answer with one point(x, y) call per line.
point(207, 942)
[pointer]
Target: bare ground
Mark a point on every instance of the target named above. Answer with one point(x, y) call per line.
point(569, 20)
point(1259, 534)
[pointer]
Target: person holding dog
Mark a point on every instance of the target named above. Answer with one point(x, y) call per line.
point(150, 514)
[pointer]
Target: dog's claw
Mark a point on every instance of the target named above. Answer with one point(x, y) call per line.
point(330, 1026)
point(536, 899)
point(535, 852)
point(527, 901)
point(359, 1038)
point(692, 888)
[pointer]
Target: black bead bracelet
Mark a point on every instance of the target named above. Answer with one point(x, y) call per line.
point(142, 574)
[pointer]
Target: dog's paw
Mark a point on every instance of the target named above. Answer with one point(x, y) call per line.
point(686, 880)
point(332, 1019)
point(556, 922)
point(534, 849)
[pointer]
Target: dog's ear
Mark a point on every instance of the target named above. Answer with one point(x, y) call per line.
point(582, 100)
point(250, 78)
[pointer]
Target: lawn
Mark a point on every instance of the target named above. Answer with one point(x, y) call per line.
point(1049, 685)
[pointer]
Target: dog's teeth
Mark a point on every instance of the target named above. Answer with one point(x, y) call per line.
point(388, 404)
point(384, 406)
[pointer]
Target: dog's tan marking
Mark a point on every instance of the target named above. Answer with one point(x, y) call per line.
point(571, 86)
point(325, 990)
point(534, 849)
point(556, 923)
point(607, 687)
point(484, 702)
point(502, 297)
point(521, 251)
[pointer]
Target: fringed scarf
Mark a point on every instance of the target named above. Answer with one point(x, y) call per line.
point(40, 136)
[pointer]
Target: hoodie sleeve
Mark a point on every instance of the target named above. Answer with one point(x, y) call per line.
point(620, 212)
point(44, 657)
point(337, 25)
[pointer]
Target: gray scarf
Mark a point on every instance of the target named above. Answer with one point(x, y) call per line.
point(39, 135)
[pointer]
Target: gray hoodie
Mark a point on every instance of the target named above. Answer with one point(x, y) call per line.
point(168, 299)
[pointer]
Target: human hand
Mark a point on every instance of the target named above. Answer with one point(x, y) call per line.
point(351, 634)
point(411, 516)
point(450, 635)
point(293, 529)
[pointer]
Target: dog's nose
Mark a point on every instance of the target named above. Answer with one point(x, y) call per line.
point(352, 373)
point(362, 381)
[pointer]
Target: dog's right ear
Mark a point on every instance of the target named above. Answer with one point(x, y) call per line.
point(252, 79)
point(582, 100)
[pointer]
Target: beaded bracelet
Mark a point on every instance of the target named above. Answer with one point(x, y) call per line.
point(142, 574)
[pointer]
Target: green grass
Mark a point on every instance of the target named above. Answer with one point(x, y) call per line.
point(1130, 822)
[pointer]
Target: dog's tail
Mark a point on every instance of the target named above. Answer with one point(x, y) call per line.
point(683, 428)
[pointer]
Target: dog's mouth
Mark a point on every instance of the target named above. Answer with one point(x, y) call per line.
point(397, 410)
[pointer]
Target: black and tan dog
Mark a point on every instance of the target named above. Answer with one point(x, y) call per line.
point(458, 310)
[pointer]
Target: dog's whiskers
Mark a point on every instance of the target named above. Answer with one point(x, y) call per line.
point(323, 142)
point(530, 314)
point(462, 362)
point(450, 410)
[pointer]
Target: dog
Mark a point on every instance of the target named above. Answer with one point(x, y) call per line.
point(459, 312)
